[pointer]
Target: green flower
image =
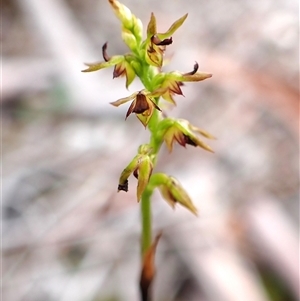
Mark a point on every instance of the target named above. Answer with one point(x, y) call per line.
point(123, 13)
point(143, 104)
point(182, 132)
point(172, 191)
point(121, 63)
point(172, 81)
point(132, 27)
point(156, 43)
point(141, 167)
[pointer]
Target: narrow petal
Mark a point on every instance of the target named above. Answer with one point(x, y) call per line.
point(151, 28)
point(123, 100)
point(173, 28)
point(202, 132)
point(196, 77)
point(204, 145)
point(188, 77)
point(154, 104)
point(130, 109)
point(100, 65)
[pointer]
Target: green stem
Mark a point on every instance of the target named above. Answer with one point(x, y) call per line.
point(147, 75)
point(146, 221)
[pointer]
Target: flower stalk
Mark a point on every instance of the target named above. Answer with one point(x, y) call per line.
point(145, 60)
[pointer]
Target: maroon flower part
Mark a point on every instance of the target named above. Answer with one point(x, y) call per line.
point(173, 81)
point(155, 50)
point(156, 43)
point(121, 63)
point(142, 105)
point(182, 132)
point(172, 191)
point(141, 167)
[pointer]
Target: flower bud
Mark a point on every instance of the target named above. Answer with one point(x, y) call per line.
point(138, 30)
point(182, 132)
point(142, 105)
point(145, 149)
point(123, 13)
point(129, 39)
point(177, 194)
point(144, 172)
point(130, 168)
point(141, 167)
point(172, 191)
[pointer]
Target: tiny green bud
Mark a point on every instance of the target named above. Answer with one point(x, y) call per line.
point(123, 13)
point(138, 30)
point(144, 149)
point(129, 39)
point(114, 60)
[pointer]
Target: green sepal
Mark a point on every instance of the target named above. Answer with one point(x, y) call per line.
point(141, 166)
point(129, 169)
point(114, 60)
point(134, 63)
point(151, 28)
point(181, 77)
point(172, 29)
point(172, 191)
point(144, 173)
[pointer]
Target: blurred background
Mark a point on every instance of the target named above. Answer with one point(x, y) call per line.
point(68, 235)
